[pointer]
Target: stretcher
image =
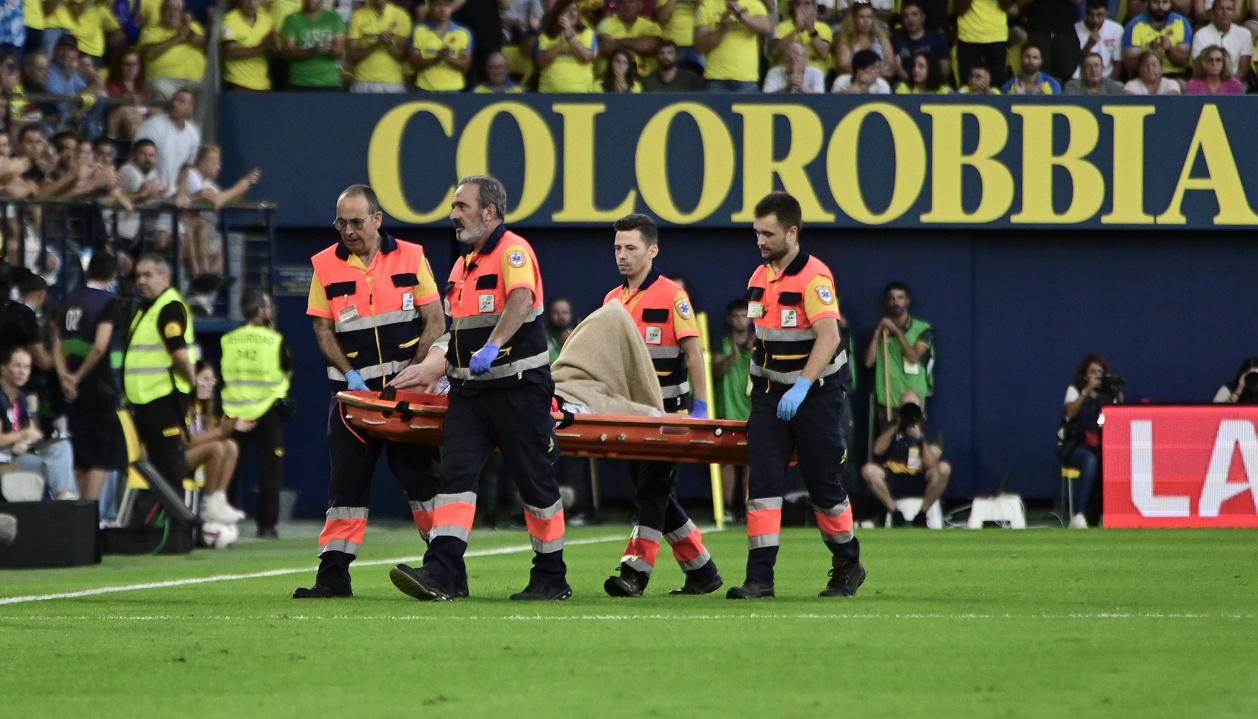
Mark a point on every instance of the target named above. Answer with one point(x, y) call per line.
point(417, 419)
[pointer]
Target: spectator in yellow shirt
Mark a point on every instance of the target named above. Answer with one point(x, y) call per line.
point(565, 50)
point(729, 32)
point(804, 27)
point(498, 77)
point(628, 30)
point(174, 52)
point(983, 36)
point(93, 25)
point(441, 51)
point(677, 22)
point(248, 38)
point(378, 35)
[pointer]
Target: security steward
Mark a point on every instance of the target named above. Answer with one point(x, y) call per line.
point(157, 369)
point(799, 372)
point(500, 397)
point(666, 320)
point(256, 368)
point(374, 305)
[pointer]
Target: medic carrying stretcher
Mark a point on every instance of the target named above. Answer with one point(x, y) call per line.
point(607, 404)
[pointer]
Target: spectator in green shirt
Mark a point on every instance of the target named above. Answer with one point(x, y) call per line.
point(558, 325)
point(313, 41)
point(730, 371)
point(901, 353)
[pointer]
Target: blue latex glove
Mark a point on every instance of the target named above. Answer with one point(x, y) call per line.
point(355, 380)
point(483, 358)
point(699, 410)
point(794, 397)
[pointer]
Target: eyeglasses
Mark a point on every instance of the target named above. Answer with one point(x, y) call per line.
point(1216, 58)
point(357, 223)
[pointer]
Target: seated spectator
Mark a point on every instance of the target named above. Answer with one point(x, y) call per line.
point(248, 39)
point(21, 439)
point(803, 27)
point(1221, 32)
point(1201, 11)
point(794, 75)
point(980, 82)
point(728, 32)
point(565, 51)
point(1098, 34)
point(90, 24)
point(441, 51)
point(621, 74)
point(1094, 80)
point(671, 77)
point(497, 77)
point(1245, 389)
point(924, 78)
point(1030, 81)
point(12, 169)
point(203, 247)
point(211, 448)
point(907, 462)
point(627, 29)
point(914, 36)
point(44, 174)
point(176, 137)
point(1079, 439)
point(1149, 80)
point(902, 351)
point(174, 51)
point(521, 22)
point(313, 42)
point(96, 181)
point(126, 82)
point(1212, 75)
point(1161, 31)
point(64, 79)
point(866, 77)
point(378, 35)
point(983, 36)
point(1050, 26)
point(139, 180)
point(860, 30)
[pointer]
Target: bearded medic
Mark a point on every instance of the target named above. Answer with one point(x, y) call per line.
point(665, 318)
point(799, 373)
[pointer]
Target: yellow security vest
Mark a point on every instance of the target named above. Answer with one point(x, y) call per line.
point(253, 378)
point(147, 368)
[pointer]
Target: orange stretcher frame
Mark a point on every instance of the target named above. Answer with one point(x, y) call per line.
point(416, 418)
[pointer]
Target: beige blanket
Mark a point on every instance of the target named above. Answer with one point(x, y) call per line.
point(605, 366)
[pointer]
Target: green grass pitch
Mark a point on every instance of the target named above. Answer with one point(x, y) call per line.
point(1038, 623)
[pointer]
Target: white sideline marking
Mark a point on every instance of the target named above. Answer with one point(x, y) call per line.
point(278, 573)
point(755, 616)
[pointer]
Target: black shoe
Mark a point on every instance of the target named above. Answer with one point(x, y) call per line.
point(460, 589)
point(629, 583)
point(897, 518)
point(319, 591)
point(268, 533)
point(845, 578)
point(700, 586)
point(751, 590)
point(418, 583)
point(556, 590)
point(919, 520)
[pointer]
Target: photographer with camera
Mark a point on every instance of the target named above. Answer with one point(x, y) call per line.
point(1079, 438)
point(1245, 389)
point(908, 462)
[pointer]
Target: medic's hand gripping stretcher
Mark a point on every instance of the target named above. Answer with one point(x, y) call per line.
point(417, 418)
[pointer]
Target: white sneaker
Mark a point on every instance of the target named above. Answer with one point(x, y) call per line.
point(214, 508)
point(236, 514)
point(1078, 522)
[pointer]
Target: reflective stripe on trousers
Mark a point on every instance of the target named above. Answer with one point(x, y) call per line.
point(835, 523)
point(343, 530)
point(643, 547)
point(545, 527)
point(688, 549)
point(453, 515)
point(500, 371)
point(422, 513)
point(756, 370)
point(764, 522)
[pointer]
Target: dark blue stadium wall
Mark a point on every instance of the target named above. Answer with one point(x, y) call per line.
point(1145, 253)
